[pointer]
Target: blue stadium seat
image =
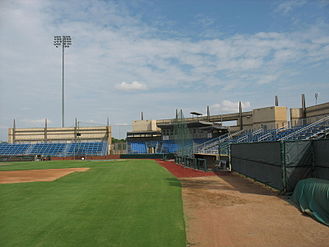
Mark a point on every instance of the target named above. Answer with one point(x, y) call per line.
point(55, 149)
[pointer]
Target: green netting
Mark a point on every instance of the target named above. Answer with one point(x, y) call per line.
point(311, 196)
point(183, 137)
point(224, 148)
point(321, 158)
point(282, 164)
point(298, 162)
point(260, 161)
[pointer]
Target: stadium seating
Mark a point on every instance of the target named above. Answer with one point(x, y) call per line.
point(86, 148)
point(13, 149)
point(311, 131)
point(50, 149)
point(55, 149)
point(137, 148)
point(168, 147)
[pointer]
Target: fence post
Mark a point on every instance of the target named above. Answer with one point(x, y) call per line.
point(283, 165)
point(313, 158)
point(195, 161)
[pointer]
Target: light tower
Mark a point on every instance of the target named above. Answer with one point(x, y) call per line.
point(64, 42)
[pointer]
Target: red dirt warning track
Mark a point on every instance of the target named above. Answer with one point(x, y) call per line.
point(183, 172)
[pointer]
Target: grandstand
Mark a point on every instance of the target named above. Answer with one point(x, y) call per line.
point(259, 125)
point(55, 149)
point(58, 142)
point(316, 130)
point(200, 135)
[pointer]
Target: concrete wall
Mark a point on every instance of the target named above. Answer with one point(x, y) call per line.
point(311, 114)
point(296, 114)
point(247, 122)
point(269, 117)
point(119, 148)
point(317, 110)
point(144, 125)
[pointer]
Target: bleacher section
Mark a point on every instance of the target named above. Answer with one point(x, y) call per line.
point(314, 130)
point(13, 149)
point(87, 148)
point(160, 147)
point(137, 148)
point(51, 149)
point(221, 145)
point(55, 149)
point(214, 146)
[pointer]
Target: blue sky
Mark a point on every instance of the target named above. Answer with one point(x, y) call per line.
point(156, 56)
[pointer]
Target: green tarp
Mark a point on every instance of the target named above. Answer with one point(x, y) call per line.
point(311, 196)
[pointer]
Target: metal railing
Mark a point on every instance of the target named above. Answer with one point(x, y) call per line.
point(295, 134)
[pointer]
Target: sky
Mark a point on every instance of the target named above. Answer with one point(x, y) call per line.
point(156, 56)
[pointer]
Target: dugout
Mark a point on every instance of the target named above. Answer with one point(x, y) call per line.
point(10, 158)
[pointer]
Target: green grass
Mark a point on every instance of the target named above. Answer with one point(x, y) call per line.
point(124, 203)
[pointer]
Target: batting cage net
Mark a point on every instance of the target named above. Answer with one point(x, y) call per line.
point(183, 137)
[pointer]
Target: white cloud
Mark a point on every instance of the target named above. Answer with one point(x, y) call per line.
point(288, 5)
point(133, 86)
point(265, 79)
point(227, 106)
point(110, 46)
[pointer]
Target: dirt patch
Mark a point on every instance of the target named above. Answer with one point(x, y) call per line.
point(231, 211)
point(5, 163)
point(182, 172)
point(23, 176)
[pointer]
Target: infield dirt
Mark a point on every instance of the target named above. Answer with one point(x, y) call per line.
point(23, 176)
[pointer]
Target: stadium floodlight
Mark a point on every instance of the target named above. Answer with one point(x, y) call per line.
point(64, 42)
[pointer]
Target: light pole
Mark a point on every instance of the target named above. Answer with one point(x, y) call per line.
point(64, 42)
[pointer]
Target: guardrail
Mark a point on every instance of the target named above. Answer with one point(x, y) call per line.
point(308, 127)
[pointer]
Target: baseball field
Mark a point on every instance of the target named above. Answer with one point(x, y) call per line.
point(113, 203)
point(144, 203)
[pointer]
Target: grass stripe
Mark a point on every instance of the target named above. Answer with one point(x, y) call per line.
point(130, 203)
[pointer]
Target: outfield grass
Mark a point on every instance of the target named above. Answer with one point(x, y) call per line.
point(124, 203)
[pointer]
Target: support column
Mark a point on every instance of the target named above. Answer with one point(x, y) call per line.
point(240, 115)
point(45, 131)
point(14, 131)
point(276, 101)
point(208, 113)
point(108, 135)
point(75, 129)
point(303, 106)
